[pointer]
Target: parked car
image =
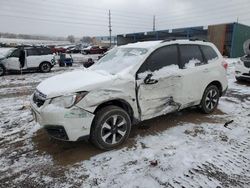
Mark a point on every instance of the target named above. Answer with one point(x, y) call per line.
point(58, 49)
point(132, 83)
point(37, 58)
point(73, 50)
point(242, 68)
point(94, 50)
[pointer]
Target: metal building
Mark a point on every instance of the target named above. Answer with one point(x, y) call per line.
point(229, 38)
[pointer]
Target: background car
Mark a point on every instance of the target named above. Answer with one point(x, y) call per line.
point(37, 58)
point(94, 50)
point(242, 69)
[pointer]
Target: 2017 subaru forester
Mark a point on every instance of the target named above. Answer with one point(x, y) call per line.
point(132, 83)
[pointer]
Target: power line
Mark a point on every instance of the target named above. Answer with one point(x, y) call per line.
point(58, 21)
point(220, 7)
point(89, 8)
point(94, 18)
point(222, 10)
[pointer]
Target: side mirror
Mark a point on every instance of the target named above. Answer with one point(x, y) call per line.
point(149, 80)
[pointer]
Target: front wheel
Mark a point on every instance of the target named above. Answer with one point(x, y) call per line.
point(210, 99)
point(111, 127)
point(2, 70)
point(45, 67)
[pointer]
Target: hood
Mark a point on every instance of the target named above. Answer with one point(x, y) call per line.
point(66, 83)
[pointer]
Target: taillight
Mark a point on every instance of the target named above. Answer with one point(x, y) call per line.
point(224, 64)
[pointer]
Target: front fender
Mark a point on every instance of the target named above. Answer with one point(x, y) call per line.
point(98, 97)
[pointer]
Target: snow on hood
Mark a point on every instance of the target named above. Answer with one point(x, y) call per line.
point(66, 83)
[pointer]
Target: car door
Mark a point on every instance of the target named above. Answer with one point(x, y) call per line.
point(33, 59)
point(12, 61)
point(193, 73)
point(157, 83)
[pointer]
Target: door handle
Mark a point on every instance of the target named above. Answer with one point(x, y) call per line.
point(149, 80)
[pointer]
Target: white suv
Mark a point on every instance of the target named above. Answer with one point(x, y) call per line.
point(36, 58)
point(242, 68)
point(132, 83)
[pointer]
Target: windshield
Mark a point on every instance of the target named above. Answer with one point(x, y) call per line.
point(4, 52)
point(119, 58)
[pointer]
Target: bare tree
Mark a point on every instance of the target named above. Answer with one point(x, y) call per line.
point(71, 38)
point(86, 39)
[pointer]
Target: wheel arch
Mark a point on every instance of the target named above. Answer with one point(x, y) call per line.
point(120, 103)
point(217, 84)
point(45, 62)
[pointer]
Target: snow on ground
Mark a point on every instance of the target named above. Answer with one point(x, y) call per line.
point(32, 41)
point(189, 150)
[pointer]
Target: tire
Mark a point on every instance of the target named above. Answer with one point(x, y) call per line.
point(45, 67)
point(110, 128)
point(2, 70)
point(210, 99)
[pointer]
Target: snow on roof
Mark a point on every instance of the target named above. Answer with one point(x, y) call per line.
point(147, 44)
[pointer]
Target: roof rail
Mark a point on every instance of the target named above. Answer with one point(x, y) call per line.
point(190, 39)
point(197, 39)
point(168, 40)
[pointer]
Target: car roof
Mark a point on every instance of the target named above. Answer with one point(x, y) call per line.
point(147, 44)
point(153, 44)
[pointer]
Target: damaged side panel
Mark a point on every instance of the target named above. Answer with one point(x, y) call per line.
point(160, 98)
point(120, 89)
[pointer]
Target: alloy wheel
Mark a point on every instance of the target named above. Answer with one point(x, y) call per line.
point(113, 129)
point(211, 99)
point(45, 67)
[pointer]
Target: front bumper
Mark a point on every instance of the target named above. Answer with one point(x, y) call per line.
point(61, 123)
point(242, 72)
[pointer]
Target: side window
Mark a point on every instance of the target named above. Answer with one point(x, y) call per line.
point(32, 52)
point(209, 53)
point(190, 55)
point(161, 57)
point(15, 53)
point(45, 51)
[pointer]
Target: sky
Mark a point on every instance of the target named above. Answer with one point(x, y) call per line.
point(90, 17)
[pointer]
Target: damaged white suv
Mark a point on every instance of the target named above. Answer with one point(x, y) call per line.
point(132, 83)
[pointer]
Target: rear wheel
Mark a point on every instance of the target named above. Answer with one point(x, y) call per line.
point(2, 70)
point(45, 67)
point(111, 127)
point(210, 99)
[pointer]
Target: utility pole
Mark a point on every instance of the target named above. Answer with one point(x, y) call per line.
point(110, 30)
point(154, 23)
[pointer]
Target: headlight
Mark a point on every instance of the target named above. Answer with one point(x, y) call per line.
point(67, 101)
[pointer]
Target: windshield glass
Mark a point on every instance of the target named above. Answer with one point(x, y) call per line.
point(119, 58)
point(4, 52)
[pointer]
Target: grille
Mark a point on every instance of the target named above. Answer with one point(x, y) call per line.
point(39, 98)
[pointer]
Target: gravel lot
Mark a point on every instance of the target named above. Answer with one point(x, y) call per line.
point(183, 149)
